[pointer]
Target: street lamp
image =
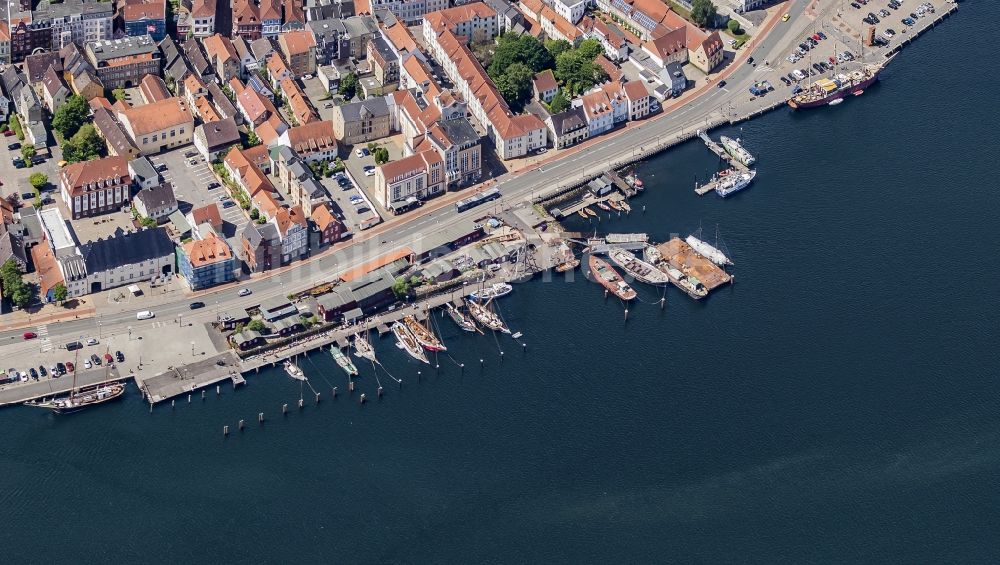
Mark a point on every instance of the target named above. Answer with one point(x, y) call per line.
point(130, 333)
point(192, 349)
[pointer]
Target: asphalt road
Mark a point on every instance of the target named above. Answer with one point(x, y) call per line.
point(515, 189)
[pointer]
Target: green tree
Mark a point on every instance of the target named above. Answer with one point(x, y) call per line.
point(401, 288)
point(60, 293)
point(27, 151)
point(338, 165)
point(38, 181)
point(381, 155)
point(83, 146)
point(734, 27)
point(13, 285)
point(256, 325)
point(578, 73)
point(559, 103)
point(70, 116)
point(15, 124)
point(252, 140)
point(118, 94)
point(524, 48)
point(147, 222)
point(254, 214)
point(556, 47)
point(515, 85)
point(589, 49)
point(703, 12)
point(348, 86)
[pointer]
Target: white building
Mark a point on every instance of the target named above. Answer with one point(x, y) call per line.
point(572, 10)
point(77, 21)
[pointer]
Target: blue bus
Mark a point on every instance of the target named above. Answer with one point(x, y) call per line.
point(477, 199)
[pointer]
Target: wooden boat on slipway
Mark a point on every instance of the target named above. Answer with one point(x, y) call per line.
point(609, 278)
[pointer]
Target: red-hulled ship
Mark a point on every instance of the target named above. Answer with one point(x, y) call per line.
point(826, 91)
point(609, 278)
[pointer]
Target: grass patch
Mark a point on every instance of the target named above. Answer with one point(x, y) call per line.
point(740, 38)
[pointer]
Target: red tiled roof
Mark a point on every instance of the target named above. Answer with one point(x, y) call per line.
point(545, 80)
point(250, 176)
point(207, 251)
point(78, 175)
point(207, 214)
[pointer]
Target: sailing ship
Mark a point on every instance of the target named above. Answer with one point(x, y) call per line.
point(78, 399)
point(425, 337)
point(294, 371)
point(343, 361)
point(710, 252)
point(406, 341)
point(496, 290)
point(827, 91)
point(735, 183)
point(486, 317)
point(461, 320)
point(637, 268)
point(609, 278)
point(363, 348)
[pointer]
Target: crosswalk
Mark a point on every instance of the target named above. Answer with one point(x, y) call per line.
point(45, 342)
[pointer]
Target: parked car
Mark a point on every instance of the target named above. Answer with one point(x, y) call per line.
point(358, 153)
point(42, 371)
point(86, 364)
point(108, 358)
point(721, 84)
point(95, 359)
point(37, 160)
point(369, 171)
point(92, 341)
point(120, 356)
point(161, 167)
point(18, 163)
point(8, 133)
point(190, 153)
point(33, 373)
point(245, 292)
point(196, 305)
point(227, 203)
point(68, 367)
point(144, 315)
point(821, 34)
point(213, 185)
point(14, 146)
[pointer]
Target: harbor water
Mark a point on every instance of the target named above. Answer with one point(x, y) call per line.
point(838, 403)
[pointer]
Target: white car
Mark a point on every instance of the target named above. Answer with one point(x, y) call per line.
point(307, 77)
point(86, 364)
point(92, 341)
point(145, 315)
point(370, 172)
point(245, 292)
point(359, 153)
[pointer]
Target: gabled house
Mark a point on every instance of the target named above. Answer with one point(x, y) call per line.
point(156, 202)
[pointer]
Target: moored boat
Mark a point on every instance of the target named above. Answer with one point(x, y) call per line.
point(582, 214)
point(461, 320)
point(294, 371)
point(603, 206)
point(829, 91)
point(568, 265)
point(689, 285)
point(637, 268)
point(363, 348)
point(495, 290)
point(609, 278)
point(735, 183)
point(625, 206)
point(77, 400)
point(708, 251)
point(406, 341)
point(590, 212)
point(425, 337)
point(486, 317)
point(613, 205)
point(343, 361)
point(736, 150)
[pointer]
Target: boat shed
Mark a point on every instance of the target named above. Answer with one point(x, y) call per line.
point(439, 270)
point(332, 305)
point(374, 290)
point(444, 241)
point(276, 308)
point(230, 318)
point(247, 339)
point(287, 326)
point(600, 187)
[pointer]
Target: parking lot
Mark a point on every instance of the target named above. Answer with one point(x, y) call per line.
point(191, 177)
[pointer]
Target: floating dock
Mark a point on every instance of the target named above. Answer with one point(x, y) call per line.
point(681, 256)
point(721, 152)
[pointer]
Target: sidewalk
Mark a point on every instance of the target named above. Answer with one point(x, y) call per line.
point(47, 314)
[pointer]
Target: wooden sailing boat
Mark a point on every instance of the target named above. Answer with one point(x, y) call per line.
point(294, 371)
point(78, 399)
point(425, 336)
point(486, 317)
point(406, 341)
point(362, 347)
point(343, 361)
point(461, 320)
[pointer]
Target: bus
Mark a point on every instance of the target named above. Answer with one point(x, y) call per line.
point(477, 199)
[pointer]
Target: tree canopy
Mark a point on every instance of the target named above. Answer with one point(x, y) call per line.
point(60, 293)
point(83, 146)
point(381, 155)
point(14, 286)
point(703, 12)
point(70, 116)
point(515, 85)
point(512, 48)
point(576, 69)
point(555, 47)
point(558, 103)
point(348, 86)
point(38, 180)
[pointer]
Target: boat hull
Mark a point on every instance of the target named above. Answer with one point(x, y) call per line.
point(84, 399)
point(631, 264)
point(608, 277)
point(839, 94)
point(408, 342)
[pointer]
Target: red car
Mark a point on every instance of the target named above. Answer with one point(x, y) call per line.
point(69, 367)
point(8, 133)
point(817, 37)
point(30, 335)
point(108, 358)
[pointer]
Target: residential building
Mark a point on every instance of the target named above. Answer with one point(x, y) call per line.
point(293, 232)
point(54, 91)
point(314, 141)
point(246, 20)
point(270, 18)
point(326, 226)
point(277, 70)
point(571, 10)
point(299, 50)
point(475, 21)
point(384, 63)
point(243, 171)
point(261, 247)
point(252, 105)
point(203, 16)
point(302, 112)
point(25, 38)
point(361, 122)
point(637, 99)
point(568, 128)
point(211, 138)
point(206, 216)
point(409, 11)
point(509, 18)
point(612, 39)
point(4, 42)
point(206, 262)
point(604, 107)
point(457, 143)
point(156, 202)
point(108, 127)
point(123, 62)
point(74, 21)
point(141, 17)
point(158, 126)
point(222, 56)
point(418, 176)
point(144, 174)
point(96, 187)
point(197, 61)
point(513, 135)
point(544, 86)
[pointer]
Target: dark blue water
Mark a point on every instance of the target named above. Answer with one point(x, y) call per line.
point(838, 403)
